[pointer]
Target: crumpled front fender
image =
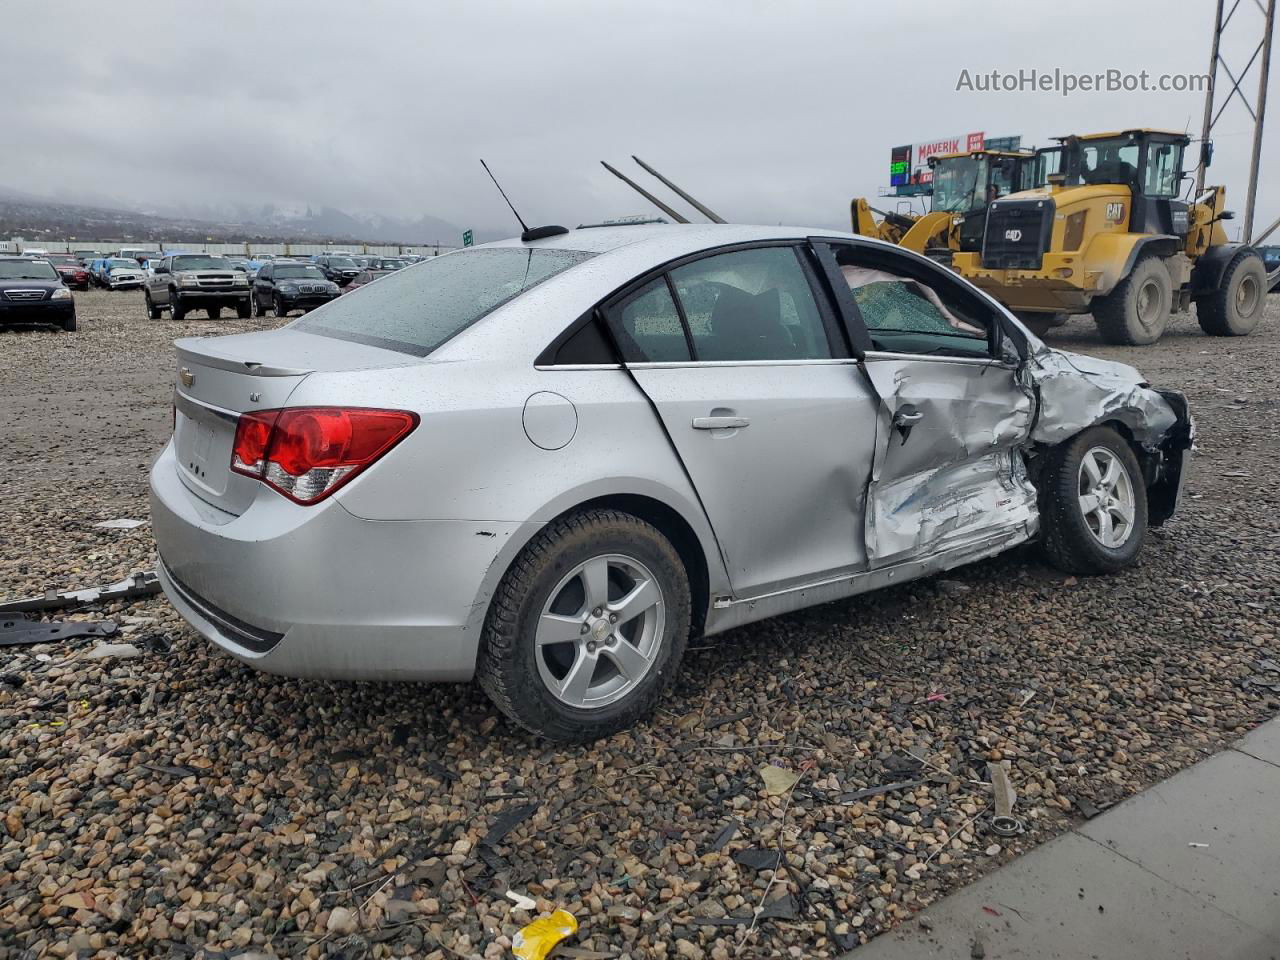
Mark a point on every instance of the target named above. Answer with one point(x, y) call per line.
point(1076, 392)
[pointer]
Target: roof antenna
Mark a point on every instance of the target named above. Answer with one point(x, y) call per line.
point(537, 233)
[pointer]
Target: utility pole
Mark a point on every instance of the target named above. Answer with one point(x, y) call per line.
point(1257, 109)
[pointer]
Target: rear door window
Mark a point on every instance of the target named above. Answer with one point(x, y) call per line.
point(751, 305)
point(417, 309)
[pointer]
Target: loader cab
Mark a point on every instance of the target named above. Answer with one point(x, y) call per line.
point(1042, 168)
point(1148, 162)
point(965, 184)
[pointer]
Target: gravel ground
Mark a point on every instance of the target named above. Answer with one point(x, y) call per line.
point(180, 804)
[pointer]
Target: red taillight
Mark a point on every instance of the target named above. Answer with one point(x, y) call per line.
point(306, 453)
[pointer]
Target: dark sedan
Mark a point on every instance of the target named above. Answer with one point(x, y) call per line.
point(31, 291)
point(284, 286)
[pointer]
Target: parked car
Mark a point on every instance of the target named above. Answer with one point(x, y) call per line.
point(86, 256)
point(285, 286)
point(548, 464)
point(196, 281)
point(1271, 263)
point(138, 254)
point(32, 291)
point(377, 268)
point(339, 269)
point(69, 268)
point(122, 273)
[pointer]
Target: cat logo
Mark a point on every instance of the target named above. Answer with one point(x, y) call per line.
point(1115, 211)
point(1013, 236)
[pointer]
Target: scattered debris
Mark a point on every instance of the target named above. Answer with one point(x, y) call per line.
point(727, 833)
point(521, 901)
point(535, 940)
point(783, 908)
point(20, 631)
point(124, 523)
point(756, 858)
point(777, 780)
point(731, 718)
point(113, 651)
point(877, 791)
point(507, 821)
point(991, 910)
point(977, 951)
point(952, 588)
point(138, 585)
point(1199, 846)
point(1003, 822)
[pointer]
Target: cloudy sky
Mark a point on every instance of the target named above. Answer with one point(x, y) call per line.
point(768, 111)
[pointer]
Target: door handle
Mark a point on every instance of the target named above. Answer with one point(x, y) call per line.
point(720, 423)
point(906, 417)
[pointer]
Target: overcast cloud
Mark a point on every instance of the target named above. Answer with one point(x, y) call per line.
point(769, 112)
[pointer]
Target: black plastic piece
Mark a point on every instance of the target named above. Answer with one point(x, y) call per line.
point(541, 233)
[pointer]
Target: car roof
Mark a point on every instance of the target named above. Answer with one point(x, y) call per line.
point(664, 240)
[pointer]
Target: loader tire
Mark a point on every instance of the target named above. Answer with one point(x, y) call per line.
point(1137, 310)
point(1235, 308)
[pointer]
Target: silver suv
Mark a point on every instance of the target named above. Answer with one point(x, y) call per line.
point(192, 281)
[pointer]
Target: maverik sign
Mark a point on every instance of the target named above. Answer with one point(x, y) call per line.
point(909, 171)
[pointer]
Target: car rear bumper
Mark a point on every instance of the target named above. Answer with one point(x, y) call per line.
point(42, 311)
point(318, 592)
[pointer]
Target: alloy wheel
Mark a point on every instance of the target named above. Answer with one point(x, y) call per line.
point(1106, 497)
point(600, 631)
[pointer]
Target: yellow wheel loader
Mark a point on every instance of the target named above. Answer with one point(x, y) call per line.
point(1109, 235)
point(963, 186)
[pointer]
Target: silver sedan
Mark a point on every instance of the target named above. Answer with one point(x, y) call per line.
point(547, 464)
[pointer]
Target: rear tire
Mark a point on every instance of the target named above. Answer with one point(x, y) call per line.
point(1090, 525)
point(1137, 310)
point(1235, 308)
point(572, 580)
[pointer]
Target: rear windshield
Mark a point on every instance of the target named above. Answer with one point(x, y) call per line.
point(416, 309)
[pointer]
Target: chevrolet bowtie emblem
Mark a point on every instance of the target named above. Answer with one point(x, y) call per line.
point(186, 376)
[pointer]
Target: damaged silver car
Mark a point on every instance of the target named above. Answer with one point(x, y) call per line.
point(547, 464)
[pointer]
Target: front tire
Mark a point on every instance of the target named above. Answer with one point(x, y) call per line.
point(1093, 504)
point(70, 325)
point(215, 313)
point(1137, 310)
point(1235, 308)
point(153, 312)
point(179, 309)
point(243, 310)
point(281, 309)
point(587, 627)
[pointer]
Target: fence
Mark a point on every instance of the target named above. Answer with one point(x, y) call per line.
point(18, 244)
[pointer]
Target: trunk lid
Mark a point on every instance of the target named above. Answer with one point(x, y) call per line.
point(219, 378)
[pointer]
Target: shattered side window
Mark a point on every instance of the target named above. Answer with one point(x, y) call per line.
point(903, 313)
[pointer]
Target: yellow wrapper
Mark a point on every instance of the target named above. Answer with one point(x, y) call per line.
point(535, 941)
